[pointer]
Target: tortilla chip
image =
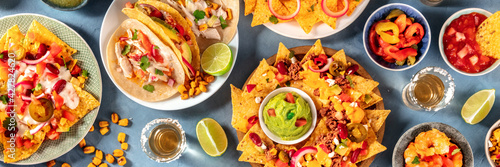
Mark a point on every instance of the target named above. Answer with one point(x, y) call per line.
point(262, 14)
point(37, 33)
point(264, 79)
point(23, 152)
point(250, 6)
point(363, 85)
point(339, 56)
point(283, 54)
point(320, 129)
point(316, 49)
point(330, 21)
point(352, 6)
point(250, 153)
point(242, 109)
point(309, 90)
point(376, 118)
point(374, 147)
point(87, 103)
point(488, 35)
point(375, 99)
point(306, 17)
point(270, 164)
point(13, 35)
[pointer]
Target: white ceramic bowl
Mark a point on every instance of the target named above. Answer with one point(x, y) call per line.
point(270, 134)
point(496, 125)
point(441, 33)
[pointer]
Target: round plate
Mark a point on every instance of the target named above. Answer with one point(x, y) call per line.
point(409, 136)
point(292, 28)
point(113, 18)
point(302, 50)
point(52, 149)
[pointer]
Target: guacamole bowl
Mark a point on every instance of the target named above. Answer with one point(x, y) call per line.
point(287, 122)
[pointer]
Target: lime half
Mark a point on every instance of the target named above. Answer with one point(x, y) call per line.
point(217, 59)
point(477, 107)
point(211, 136)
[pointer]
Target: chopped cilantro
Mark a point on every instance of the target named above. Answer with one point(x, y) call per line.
point(85, 73)
point(156, 47)
point(6, 123)
point(350, 81)
point(149, 88)
point(292, 54)
point(273, 19)
point(4, 99)
point(267, 80)
point(311, 9)
point(37, 87)
point(198, 14)
point(144, 63)
point(278, 86)
point(125, 50)
point(455, 151)
point(223, 22)
point(287, 83)
point(159, 72)
point(1, 56)
point(134, 36)
point(415, 160)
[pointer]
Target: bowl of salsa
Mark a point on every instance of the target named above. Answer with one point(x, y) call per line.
point(458, 45)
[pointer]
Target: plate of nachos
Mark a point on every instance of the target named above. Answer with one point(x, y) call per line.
point(57, 88)
point(312, 20)
point(351, 115)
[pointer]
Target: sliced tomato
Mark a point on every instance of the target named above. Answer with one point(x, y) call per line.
point(452, 148)
point(76, 70)
point(300, 122)
point(53, 135)
point(59, 101)
point(180, 29)
point(156, 13)
point(68, 115)
point(27, 143)
point(279, 77)
point(290, 98)
point(280, 163)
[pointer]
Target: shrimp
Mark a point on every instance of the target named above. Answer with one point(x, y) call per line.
point(432, 142)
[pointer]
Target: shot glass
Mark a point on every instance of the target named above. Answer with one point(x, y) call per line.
point(430, 89)
point(163, 140)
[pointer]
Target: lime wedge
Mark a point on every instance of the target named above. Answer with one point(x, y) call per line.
point(477, 107)
point(211, 136)
point(217, 59)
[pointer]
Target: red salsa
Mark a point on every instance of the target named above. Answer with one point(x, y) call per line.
point(460, 46)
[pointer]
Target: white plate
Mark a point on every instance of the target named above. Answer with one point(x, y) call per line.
point(292, 29)
point(113, 18)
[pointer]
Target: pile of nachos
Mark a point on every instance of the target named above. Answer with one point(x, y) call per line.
point(48, 97)
point(345, 133)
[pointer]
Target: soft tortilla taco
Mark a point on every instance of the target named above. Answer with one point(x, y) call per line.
point(141, 64)
point(172, 29)
point(219, 25)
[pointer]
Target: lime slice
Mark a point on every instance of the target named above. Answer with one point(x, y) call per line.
point(217, 59)
point(477, 107)
point(211, 136)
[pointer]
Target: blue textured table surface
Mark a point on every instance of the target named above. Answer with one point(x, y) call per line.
point(257, 43)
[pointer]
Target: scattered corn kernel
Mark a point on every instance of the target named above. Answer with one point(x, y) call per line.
point(98, 154)
point(91, 128)
point(184, 96)
point(203, 27)
point(123, 122)
point(203, 83)
point(203, 88)
point(124, 146)
point(91, 165)
point(103, 165)
point(215, 6)
point(110, 158)
point(194, 84)
point(104, 130)
point(191, 92)
point(197, 91)
point(82, 143)
point(103, 124)
point(121, 161)
point(208, 78)
point(114, 118)
point(96, 161)
point(51, 163)
point(229, 14)
point(208, 12)
point(121, 137)
point(118, 153)
point(181, 88)
point(89, 150)
point(65, 164)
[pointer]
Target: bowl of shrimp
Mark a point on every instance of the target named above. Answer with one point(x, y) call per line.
point(430, 144)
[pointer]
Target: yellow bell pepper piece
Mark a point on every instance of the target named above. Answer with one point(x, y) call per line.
point(381, 29)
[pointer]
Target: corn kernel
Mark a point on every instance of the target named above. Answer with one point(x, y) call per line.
point(104, 130)
point(197, 91)
point(82, 143)
point(194, 84)
point(121, 161)
point(491, 149)
point(103, 124)
point(203, 88)
point(121, 137)
point(89, 150)
point(208, 12)
point(191, 92)
point(51, 163)
point(229, 14)
point(118, 153)
point(98, 154)
point(91, 128)
point(124, 146)
point(96, 161)
point(110, 158)
point(203, 27)
point(65, 164)
point(184, 96)
point(208, 78)
point(115, 118)
point(203, 83)
point(215, 6)
point(123, 122)
point(103, 165)
point(181, 89)
point(308, 157)
point(91, 165)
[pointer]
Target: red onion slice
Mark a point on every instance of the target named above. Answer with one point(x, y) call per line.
point(37, 128)
point(189, 66)
point(334, 14)
point(325, 68)
point(33, 62)
point(301, 152)
point(25, 84)
point(27, 98)
point(123, 38)
point(288, 17)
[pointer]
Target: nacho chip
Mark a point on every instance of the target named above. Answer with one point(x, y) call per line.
point(242, 109)
point(23, 152)
point(488, 36)
point(87, 103)
point(250, 152)
point(250, 6)
point(352, 5)
point(374, 147)
point(330, 21)
point(283, 54)
point(262, 14)
point(13, 35)
point(37, 34)
point(375, 99)
point(306, 17)
point(376, 118)
point(339, 56)
point(363, 85)
point(320, 129)
point(316, 49)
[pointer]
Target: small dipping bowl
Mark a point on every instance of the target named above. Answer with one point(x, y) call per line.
point(154, 127)
point(487, 143)
point(65, 8)
point(276, 138)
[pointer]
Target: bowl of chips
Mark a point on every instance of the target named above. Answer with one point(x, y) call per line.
point(290, 130)
point(491, 144)
point(383, 13)
point(461, 50)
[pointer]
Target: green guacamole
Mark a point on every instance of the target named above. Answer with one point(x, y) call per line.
point(66, 3)
point(283, 124)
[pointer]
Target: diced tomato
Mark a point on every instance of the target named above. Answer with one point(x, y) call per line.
point(76, 70)
point(129, 5)
point(68, 115)
point(280, 163)
point(438, 160)
point(364, 145)
point(55, 49)
point(58, 60)
point(447, 162)
point(144, 40)
point(51, 76)
point(323, 147)
point(156, 54)
point(180, 29)
point(59, 101)
point(345, 97)
point(271, 112)
point(290, 98)
point(53, 123)
point(23, 107)
point(19, 142)
point(27, 143)
point(427, 159)
point(300, 122)
point(156, 13)
point(53, 135)
point(250, 87)
point(363, 152)
point(279, 77)
point(40, 67)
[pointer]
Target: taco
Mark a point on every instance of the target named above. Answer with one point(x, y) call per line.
point(219, 25)
point(138, 58)
point(172, 29)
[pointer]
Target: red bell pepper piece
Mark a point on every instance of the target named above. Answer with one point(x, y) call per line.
point(76, 70)
point(401, 22)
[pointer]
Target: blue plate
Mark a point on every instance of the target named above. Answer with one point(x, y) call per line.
point(380, 14)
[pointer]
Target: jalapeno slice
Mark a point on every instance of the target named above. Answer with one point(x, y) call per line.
point(42, 111)
point(357, 132)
